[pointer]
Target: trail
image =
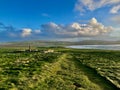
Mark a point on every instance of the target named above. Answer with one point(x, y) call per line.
point(94, 76)
point(68, 73)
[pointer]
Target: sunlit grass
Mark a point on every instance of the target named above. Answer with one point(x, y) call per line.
point(59, 70)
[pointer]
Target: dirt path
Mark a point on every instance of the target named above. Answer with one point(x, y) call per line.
point(94, 76)
point(69, 74)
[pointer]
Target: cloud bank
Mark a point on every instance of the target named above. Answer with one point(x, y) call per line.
point(92, 29)
point(52, 30)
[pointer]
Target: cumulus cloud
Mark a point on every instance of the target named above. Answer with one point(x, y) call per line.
point(26, 32)
point(82, 5)
point(56, 31)
point(50, 28)
point(99, 28)
point(115, 9)
point(15, 33)
point(93, 28)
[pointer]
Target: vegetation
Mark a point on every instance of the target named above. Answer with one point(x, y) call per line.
point(63, 69)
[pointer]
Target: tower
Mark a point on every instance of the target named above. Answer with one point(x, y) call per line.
point(29, 48)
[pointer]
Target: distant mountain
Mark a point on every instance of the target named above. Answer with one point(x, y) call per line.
point(58, 43)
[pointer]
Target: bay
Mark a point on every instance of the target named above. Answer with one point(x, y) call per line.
point(103, 47)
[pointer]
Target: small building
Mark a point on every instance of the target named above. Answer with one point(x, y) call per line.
point(49, 51)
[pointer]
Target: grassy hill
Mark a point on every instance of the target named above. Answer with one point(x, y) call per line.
point(55, 43)
point(63, 69)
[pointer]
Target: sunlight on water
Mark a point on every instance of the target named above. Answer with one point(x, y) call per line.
point(105, 47)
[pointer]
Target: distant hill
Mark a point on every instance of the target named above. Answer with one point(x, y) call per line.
point(96, 42)
point(57, 43)
point(36, 44)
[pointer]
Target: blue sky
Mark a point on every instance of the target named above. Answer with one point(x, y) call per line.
point(73, 20)
point(32, 13)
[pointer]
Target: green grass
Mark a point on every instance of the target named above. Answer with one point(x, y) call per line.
point(64, 69)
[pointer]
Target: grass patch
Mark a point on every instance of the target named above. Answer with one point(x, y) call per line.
point(63, 69)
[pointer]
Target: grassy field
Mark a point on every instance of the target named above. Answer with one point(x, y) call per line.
point(63, 69)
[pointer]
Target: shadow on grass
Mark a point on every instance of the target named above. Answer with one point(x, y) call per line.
point(94, 76)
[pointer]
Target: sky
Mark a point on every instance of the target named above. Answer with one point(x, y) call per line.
point(66, 20)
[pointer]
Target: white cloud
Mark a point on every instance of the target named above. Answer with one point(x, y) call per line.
point(37, 31)
point(51, 30)
point(29, 32)
point(115, 9)
point(93, 28)
point(93, 21)
point(99, 27)
point(76, 26)
point(26, 32)
point(82, 5)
